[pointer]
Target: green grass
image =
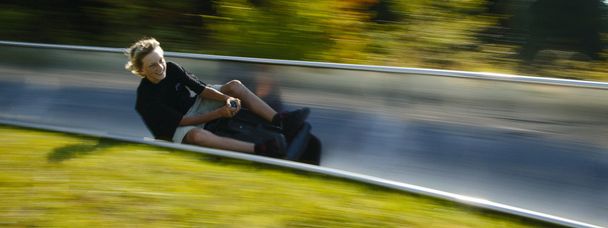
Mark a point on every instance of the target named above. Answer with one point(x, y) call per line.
point(61, 180)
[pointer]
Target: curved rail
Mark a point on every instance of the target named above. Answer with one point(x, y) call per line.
point(386, 69)
point(471, 201)
point(94, 97)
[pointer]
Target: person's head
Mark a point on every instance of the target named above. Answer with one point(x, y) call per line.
point(146, 59)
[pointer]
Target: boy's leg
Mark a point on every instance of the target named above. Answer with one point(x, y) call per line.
point(236, 89)
point(290, 122)
point(202, 137)
point(273, 148)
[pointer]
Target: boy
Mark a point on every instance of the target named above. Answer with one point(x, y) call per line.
point(175, 104)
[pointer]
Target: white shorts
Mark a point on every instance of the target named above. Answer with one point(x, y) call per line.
point(200, 106)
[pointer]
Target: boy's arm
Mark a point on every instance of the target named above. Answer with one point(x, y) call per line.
point(225, 111)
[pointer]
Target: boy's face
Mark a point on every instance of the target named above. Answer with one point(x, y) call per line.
point(154, 67)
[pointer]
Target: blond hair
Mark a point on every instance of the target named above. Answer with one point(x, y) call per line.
point(137, 51)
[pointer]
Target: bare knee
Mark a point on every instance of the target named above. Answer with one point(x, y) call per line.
point(233, 88)
point(198, 136)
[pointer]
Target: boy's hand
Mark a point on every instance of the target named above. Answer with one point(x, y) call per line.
point(232, 107)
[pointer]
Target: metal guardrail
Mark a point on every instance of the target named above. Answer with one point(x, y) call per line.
point(481, 203)
point(385, 69)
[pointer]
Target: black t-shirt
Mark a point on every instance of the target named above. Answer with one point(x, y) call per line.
point(163, 105)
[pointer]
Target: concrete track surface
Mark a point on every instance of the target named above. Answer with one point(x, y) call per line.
point(536, 146)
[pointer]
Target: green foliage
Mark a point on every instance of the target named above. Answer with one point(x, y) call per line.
point(281, 30)
point(472, 35)
point(58, 180)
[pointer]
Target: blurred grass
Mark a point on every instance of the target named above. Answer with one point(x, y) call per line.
point(53, 179)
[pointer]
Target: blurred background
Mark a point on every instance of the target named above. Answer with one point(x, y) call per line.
point(537, 146)
point(552, 38)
